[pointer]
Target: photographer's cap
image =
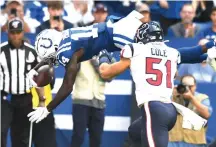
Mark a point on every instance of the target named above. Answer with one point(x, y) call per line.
point(15, 25)
point(20, 2)
point(188, 81)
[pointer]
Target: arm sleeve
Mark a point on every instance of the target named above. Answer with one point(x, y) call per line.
point(207, 103)
point(191, 54)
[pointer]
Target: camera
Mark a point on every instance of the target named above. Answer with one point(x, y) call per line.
point(181, 89)
point(57, 18)
point(13, 11)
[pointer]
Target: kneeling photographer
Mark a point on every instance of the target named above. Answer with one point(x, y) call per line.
point(185, 94)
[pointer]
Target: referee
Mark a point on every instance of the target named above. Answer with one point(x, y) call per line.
point(17, 58)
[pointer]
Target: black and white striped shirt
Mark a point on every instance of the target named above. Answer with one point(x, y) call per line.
point(14, 65)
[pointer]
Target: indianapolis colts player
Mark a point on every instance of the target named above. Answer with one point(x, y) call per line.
point(153, 66)
point(79, 44)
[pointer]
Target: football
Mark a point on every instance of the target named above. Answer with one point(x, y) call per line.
point(45, 75)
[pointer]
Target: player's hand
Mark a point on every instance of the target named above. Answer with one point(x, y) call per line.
point(30, 77)
point(104, 57)
point(38, 114)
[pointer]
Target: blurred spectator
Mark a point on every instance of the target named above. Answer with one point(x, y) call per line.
point(169, 11)
point(89, 98)
point(186, 28)
point(55, 9)
point(37, 12)
point(120, 8)
point(145, 11)
point(79, 12)
point(202, 72)
point(88, 105)
point(203, 10)
point(198, 103)
point(14, 8)
point(17, 58)
point(210, 33)
point(100, 13)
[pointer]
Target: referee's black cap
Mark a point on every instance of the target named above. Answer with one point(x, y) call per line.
point(15, 24)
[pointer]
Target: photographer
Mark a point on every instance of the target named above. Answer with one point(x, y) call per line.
point(14, 8)
point(56, 10)
point(186, 95)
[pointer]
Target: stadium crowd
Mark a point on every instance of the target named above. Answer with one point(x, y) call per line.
point(184, 19)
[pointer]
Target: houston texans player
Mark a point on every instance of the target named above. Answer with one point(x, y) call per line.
point(79, 44)
point(153, 66)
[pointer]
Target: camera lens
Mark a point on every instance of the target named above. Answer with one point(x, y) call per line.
point(14, 11)
point(181, 89)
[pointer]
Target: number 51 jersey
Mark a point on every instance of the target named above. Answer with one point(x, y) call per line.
point(153, 68)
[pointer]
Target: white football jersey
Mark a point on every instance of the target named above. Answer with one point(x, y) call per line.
point(153, 68)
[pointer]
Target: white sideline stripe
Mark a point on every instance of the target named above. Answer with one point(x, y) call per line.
point(116, 87)
point(112, 123)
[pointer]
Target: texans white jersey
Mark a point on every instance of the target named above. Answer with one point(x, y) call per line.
point(153, 68)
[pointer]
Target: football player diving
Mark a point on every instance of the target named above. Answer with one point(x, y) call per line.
point(75, 45)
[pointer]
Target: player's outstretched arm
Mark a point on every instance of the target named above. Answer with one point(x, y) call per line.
point(66, 88)
point(67, 85)
point(195, 54)
point(108, 71)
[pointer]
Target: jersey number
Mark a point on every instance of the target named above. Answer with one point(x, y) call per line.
point(159, 75)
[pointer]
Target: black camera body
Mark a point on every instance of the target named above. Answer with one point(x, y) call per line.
point(57, 18)
point(181, 89)
point(13, 11)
